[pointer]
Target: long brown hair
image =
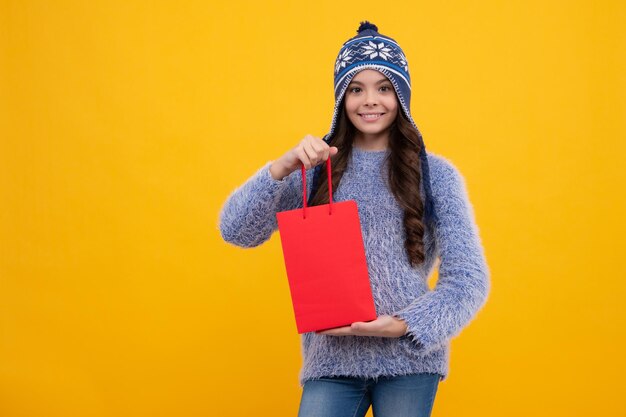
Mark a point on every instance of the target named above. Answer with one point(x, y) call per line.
point(404, 175)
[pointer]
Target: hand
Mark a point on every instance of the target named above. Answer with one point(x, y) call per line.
point(311, 151)
point(383, 326)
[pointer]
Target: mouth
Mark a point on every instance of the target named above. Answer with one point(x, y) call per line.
point(370, 117)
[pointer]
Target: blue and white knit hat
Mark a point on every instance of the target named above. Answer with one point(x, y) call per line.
point(370, 49)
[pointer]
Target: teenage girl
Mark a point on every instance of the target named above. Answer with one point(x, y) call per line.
point(413, 208)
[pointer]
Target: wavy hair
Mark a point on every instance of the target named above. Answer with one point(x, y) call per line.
point(404, 175)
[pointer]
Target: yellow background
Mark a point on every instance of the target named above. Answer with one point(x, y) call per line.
point(124, 125)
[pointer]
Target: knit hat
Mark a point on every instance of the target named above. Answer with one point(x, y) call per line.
point(370, 49)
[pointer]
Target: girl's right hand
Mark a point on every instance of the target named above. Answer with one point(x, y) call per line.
point(311, 151)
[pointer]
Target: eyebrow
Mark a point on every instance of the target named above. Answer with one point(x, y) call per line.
point(377, 82)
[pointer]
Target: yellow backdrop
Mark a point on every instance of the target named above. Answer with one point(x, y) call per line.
point(124, 125)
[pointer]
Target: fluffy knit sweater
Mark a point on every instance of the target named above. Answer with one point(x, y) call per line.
point(248, 218)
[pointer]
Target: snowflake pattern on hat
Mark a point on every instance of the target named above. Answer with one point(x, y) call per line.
point(372, 50)
point(344, 58)
point(402, 61)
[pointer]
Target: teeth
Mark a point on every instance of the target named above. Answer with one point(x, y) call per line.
point(371, 116)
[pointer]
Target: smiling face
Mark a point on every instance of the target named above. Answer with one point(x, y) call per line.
point(372, 106)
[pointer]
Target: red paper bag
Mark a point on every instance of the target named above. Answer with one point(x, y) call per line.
point(325, 263)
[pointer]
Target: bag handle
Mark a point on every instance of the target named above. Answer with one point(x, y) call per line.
point(330, 189)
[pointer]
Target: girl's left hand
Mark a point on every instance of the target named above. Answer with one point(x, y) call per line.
point(383, 326)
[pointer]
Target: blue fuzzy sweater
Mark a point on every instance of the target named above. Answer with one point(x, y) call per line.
point(248, 218)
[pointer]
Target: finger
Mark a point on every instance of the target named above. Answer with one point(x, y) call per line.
point(361, 328)
point(311, 153)
point(367, 327)
point(338, 331)
point(321, 148)
point(304, 158)
point(357, 327)
point(328, 332)
point(323, 152)
point(372, 323)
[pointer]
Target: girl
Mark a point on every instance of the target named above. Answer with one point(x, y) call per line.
point(413, 208)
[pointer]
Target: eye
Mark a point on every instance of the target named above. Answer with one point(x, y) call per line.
point(387, 87)
point(353, 88)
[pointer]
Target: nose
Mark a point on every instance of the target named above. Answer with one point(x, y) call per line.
point(371, 98)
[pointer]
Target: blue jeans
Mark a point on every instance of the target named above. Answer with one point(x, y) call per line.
point(399, 396)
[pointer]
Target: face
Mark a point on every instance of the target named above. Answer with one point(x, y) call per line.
point(372, 106)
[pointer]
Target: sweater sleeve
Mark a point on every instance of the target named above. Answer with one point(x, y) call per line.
point(248, 217)
point(464, 277)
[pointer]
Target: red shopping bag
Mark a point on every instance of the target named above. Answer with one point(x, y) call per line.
point(325, 263)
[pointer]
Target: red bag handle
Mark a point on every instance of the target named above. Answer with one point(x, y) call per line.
point(330, 189)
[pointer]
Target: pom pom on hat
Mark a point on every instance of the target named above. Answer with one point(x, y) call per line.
point(365, 25)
